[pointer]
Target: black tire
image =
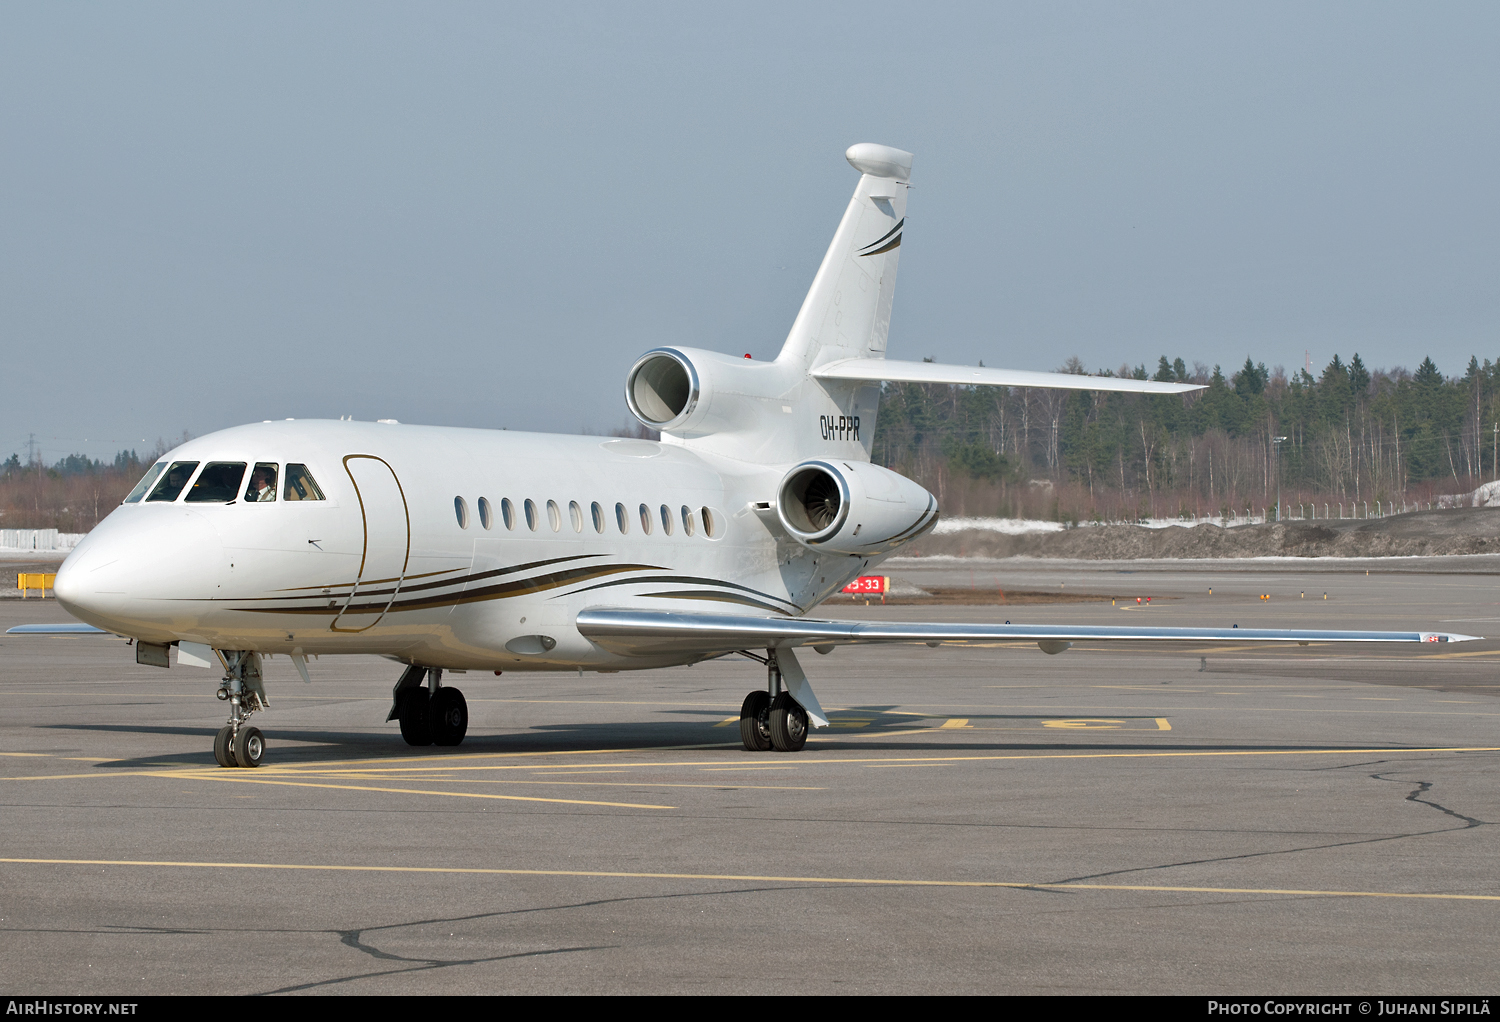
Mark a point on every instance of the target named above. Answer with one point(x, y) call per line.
point(416, 725)
point(755, 727)
point(249, 747)
point(223, 754)
point(448, 713)
point(788, 724)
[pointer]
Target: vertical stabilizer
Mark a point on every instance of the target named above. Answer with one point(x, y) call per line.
point(847, 312)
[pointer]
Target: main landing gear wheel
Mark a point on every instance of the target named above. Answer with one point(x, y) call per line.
point(223, 754)
point(416, 723)
point(755, 725)
point(249, 747)
point(448, 717)
point(788, 724)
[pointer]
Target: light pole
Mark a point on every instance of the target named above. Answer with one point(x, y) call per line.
point(1277, 441)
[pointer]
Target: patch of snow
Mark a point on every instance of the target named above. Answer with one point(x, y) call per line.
point(1022, 526)
point(1488, 495)
point(1005, 526)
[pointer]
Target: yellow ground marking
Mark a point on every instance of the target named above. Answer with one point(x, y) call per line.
point(727, 721)
point(849, 723)
point(266, 775)
point(1093, 723)
point(954, 722)
point(246, 777)
point(1454, 656)
point(710, 769)
point(1162, 725)
point(757, 878)
point(651, 784)
point(576, 773)
point(41, 754)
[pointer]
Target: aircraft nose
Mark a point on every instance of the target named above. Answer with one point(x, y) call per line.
point(131, 574)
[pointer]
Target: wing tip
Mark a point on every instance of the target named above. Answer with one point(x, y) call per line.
point(70, 628)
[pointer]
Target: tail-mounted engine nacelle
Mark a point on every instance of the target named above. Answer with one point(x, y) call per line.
point(855, 509)
point(672, 391)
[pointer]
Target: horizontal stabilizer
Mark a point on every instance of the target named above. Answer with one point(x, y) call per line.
point(70, 628)
point(880, 369)
point(644, 632)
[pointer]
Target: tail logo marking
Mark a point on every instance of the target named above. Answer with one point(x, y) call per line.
point(891, 239)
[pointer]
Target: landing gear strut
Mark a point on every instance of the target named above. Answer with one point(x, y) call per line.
point(237, 743)
point(429, 716)
point(772, 719)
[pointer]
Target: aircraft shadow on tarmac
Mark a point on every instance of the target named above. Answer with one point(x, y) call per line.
point(309, 747)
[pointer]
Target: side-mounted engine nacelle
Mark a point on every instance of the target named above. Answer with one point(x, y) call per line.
point(852, 508)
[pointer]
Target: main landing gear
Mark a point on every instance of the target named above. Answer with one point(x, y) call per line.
point(238, 744)
point(772, 719)
point(429, 716)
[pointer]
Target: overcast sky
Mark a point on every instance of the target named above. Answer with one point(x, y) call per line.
point(479, 214)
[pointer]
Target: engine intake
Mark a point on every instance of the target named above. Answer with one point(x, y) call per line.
point(662, 389)
point(856, 509)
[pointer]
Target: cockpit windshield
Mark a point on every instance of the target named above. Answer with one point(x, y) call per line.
point(300, 484)
point(145, 483)
point(262, 486)
point(218, 483)
point(172, 482)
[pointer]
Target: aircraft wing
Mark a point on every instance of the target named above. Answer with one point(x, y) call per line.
point(646, 632)
point(880, 369)
point(68, 628)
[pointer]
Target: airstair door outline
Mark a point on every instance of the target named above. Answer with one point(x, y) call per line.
point(387, 545)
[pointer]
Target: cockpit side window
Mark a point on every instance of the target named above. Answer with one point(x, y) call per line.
point(300, 484)
point(262, 486)
point(172, 481)
point(145, 483)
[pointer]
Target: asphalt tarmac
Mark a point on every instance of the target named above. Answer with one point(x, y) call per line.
point(1225, 820)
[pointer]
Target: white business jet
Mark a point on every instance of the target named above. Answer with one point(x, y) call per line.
point(482, 550)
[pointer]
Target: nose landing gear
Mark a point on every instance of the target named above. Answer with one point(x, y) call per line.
point(772, 719)
point(237, 743)
point(428, 716)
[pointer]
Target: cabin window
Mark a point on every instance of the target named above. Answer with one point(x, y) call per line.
point(218, 483)
point(645, 519)
point(461, 512)
point(172, 482)
point(262, 488)
point(486, 516)
point(576, 514)
point(687, 520)
point(622, 519)
point(145, 483)
point(508, 512)
point(300, 484)
point(530, 507)
point(666, 519)
point(598, 514)
point(710, 523)
point(554, 516)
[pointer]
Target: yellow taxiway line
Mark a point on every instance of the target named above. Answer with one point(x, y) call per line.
point(270, 775)
point(757, 878)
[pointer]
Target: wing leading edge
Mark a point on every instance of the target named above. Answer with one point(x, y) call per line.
point(646, 633)
point(880, 369)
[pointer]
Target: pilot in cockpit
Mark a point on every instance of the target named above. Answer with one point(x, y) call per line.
point(262, 483)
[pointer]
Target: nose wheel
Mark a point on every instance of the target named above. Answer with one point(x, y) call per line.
point(237, 744)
